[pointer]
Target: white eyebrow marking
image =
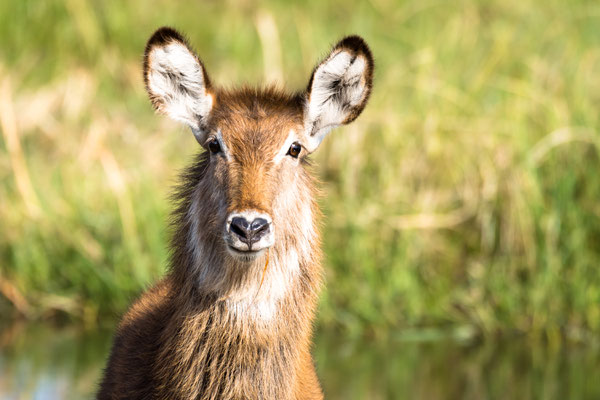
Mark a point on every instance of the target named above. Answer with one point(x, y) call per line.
point(226, 151)
point(286, 146)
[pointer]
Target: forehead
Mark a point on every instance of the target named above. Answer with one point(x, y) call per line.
point(253, 118)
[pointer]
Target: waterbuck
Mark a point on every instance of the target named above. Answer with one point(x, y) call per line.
point(232, 319)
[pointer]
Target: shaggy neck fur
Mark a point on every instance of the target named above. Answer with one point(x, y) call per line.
point(229, 336)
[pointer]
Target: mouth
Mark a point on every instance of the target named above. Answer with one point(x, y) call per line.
point(245, 255)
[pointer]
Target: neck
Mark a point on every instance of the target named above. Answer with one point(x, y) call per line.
point(231, 315)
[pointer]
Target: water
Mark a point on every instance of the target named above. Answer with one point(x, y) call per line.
point(41, 362)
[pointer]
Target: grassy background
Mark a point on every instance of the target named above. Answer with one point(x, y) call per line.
point(465, 200)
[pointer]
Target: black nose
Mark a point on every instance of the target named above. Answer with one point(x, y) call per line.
point(247, 232)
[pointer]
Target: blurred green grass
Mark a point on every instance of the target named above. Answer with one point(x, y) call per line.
point(465, 197)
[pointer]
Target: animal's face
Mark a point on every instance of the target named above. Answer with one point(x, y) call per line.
point(256, 156)
point(256, 140)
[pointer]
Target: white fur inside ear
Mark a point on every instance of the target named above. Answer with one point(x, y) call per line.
point(176, 80)
point(338, 86)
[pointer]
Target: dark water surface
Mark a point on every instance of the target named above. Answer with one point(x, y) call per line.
point(40, 362)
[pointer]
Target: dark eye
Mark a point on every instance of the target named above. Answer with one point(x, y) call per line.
point(214, 146)
point(295, 150)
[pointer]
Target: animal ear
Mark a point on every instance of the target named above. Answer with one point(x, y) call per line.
point(177, 82)
point(338, 89)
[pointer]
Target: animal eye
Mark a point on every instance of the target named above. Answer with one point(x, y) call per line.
point(295, 150)
point(214, 146)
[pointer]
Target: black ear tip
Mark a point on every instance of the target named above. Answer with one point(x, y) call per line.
point(356, 44)
point(163, 36)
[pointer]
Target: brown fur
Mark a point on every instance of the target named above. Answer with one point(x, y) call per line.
point(209, 330)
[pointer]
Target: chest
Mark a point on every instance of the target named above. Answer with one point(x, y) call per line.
point(217, 358)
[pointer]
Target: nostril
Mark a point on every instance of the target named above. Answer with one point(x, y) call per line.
point(249, 232)
point(259, 227)
point(240, 227)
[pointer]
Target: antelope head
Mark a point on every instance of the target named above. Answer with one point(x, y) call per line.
point(254, 193)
